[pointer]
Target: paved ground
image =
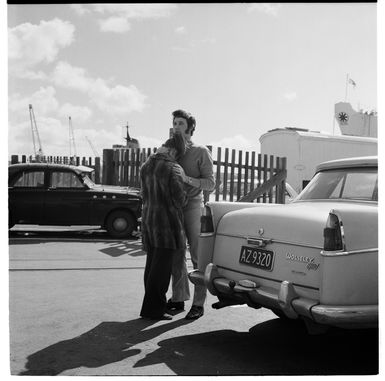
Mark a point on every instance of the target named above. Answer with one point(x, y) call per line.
point(74, 304)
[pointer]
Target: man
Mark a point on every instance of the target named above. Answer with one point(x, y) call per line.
point(198, 176)
point(163, 233)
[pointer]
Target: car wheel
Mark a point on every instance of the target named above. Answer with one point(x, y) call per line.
point(120, 224)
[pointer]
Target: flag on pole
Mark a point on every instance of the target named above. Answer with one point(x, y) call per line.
point(352, 82)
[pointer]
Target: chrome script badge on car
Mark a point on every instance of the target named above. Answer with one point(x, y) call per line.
point(311, 265)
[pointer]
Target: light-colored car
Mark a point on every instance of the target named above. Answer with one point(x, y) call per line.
point(315, 258)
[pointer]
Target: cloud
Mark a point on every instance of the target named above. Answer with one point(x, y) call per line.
point(68, 76)
point(238, 142)
point(31, 44)
point(53, 136)
point(137, 11)
point(79, 9)
point(267, 8)
point(110, 99)
point(118, 15)
point(118, 99)
point(78, 114)
point(115, 24)
point(291, 96)
point(180, 30)
point(44, 102)
point(148, 142)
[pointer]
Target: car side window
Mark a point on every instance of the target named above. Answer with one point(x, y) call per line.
point(61, 179)
point(30, 179)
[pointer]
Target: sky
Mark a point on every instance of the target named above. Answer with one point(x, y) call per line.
point(240, 69)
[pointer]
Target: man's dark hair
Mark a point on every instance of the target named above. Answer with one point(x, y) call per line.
point(176, 142)
point(191, 122)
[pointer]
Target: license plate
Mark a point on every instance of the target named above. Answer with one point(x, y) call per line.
point(259, 258)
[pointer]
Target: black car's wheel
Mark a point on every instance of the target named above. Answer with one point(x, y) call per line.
point(120, 224)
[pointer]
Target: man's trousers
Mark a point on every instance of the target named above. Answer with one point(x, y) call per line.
point(180, 283)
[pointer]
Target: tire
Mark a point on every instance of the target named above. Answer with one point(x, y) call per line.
point(120, 224)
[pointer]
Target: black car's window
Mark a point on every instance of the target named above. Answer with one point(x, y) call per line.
point(350, 184)
point(65, 180)
point(30, 179)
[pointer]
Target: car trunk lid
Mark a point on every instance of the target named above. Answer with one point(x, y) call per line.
point(271, 245)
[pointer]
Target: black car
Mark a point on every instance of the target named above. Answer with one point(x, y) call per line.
point(58, 194)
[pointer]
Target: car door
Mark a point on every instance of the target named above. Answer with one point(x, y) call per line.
point(68, 200)
point(26, 192)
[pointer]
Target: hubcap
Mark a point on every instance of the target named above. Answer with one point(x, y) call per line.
point(120, 224)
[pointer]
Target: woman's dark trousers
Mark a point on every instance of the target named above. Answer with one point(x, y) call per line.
point(157, 276)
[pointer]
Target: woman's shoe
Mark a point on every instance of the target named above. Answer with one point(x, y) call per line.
point(174, 306)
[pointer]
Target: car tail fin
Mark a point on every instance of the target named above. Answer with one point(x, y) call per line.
point(333, 234)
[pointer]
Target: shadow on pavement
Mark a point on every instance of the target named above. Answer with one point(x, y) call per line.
point(107, 343)
point(274, 347)
point(20, 237)
point(117, 249)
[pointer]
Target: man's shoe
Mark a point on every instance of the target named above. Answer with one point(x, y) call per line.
point(195, 313)
point(174, 306)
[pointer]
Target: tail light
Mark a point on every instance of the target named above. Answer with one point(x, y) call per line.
point(207, 225)
point(333, 234)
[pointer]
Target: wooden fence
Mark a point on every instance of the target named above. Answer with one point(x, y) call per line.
point(88, 162)
point(246, 176)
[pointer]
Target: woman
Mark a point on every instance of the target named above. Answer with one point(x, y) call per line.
point(163, 234)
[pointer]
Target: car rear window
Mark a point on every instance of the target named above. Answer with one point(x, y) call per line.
point(348, 184)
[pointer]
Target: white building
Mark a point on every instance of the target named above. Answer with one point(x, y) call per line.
point(305, 149)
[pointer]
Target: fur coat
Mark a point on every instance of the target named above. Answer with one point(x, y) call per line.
point(163, 200)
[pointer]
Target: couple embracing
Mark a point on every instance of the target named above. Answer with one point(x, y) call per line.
point(172, 182)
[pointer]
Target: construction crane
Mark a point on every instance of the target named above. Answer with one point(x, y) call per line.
point(96, 154)
point(72, 138)
point(35, 135)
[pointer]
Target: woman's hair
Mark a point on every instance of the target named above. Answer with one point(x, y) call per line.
point(191, 122)
point(177, 142)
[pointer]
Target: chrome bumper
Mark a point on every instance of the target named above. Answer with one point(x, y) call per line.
point(286, 300)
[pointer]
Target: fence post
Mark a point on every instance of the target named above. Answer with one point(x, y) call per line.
point(283, 186)
point(116, 156)
point(232, 175)
point(218, 176)
point(108, 166)
point(97, 170)
point(225, 170)
point(239, 175)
